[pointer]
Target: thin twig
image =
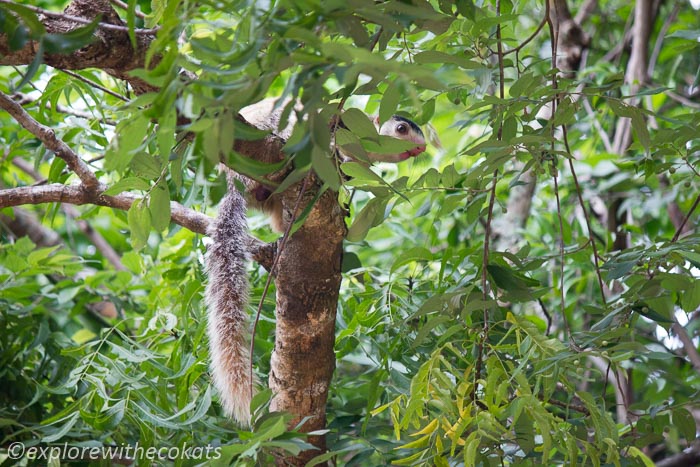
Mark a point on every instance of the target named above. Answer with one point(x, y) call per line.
point(489, 217)
point(683, 99)
point(690, 349)
point(94, 84)
point(554, 33)
point(591, 237)
point(547, 315)
point(533, 35)
point(124, 6)
point(596, 124)
point(561, 258)
point(620, 397)
point(679, 230)
point(575, 407)
point(585, 11)
point(22, 99)
point(616, 52)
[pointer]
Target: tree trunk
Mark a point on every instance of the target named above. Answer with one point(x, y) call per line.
point(308, 285)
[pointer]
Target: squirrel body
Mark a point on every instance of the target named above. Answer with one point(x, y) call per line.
point(227, 258)
point(267, 114)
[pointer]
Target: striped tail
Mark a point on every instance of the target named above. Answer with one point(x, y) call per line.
point(226, 298)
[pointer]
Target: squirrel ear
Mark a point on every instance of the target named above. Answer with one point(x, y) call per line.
point(375, 120)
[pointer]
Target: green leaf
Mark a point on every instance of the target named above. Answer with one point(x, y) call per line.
point(361, 173)
point(40, 254)
point(165, 134)
point(371, 215)
point(353, 26)
point(434, 56)
point(664, 303)
point(684, 421)
point(60, 432)
point(29, 18)
point(130, 135)
point(350, 261)
point(524, 84)
point(509, 129)
point(131, 21)
point(510, 280)
point(565, 113)
point(56, 174)
point(324, 166)
point(159, 206)
point(389, 103)
point(359, 124)
point(17, 34)
point(690, 298)
point(226, 133)
point(411, 255)
point(33, 67)
point(640, 129)
point(621, 109)
point(255, 169)
point(146, 166)
point(636, 453)
point(128, 184)
point(71, 41)
point(431, 324)
point(140, 224)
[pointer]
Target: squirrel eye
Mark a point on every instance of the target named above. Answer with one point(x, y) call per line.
point(402, 129)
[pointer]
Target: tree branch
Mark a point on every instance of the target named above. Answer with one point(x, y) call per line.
point(22, 223)
point(636, 73)
point(688, 345)
point(617, 379)
point(263, 253)
point(47, 136)
point(78, 194)
point(690, 456)
point(79, 20)
point(111, 49)
point(93, 235)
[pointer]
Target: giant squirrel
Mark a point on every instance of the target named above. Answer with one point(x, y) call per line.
point(227, 290)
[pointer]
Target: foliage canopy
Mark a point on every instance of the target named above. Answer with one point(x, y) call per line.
point(465, 334)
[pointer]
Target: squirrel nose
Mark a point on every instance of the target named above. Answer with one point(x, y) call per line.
point(417, 150)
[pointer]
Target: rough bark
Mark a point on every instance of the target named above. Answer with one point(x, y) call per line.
point(571, 39)
point(308, 285)
point(111, 50)
point(78, 194)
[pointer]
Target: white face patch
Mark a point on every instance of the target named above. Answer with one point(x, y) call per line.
point(404, 129)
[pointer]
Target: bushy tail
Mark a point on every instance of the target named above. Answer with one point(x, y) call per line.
point(227, 297)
